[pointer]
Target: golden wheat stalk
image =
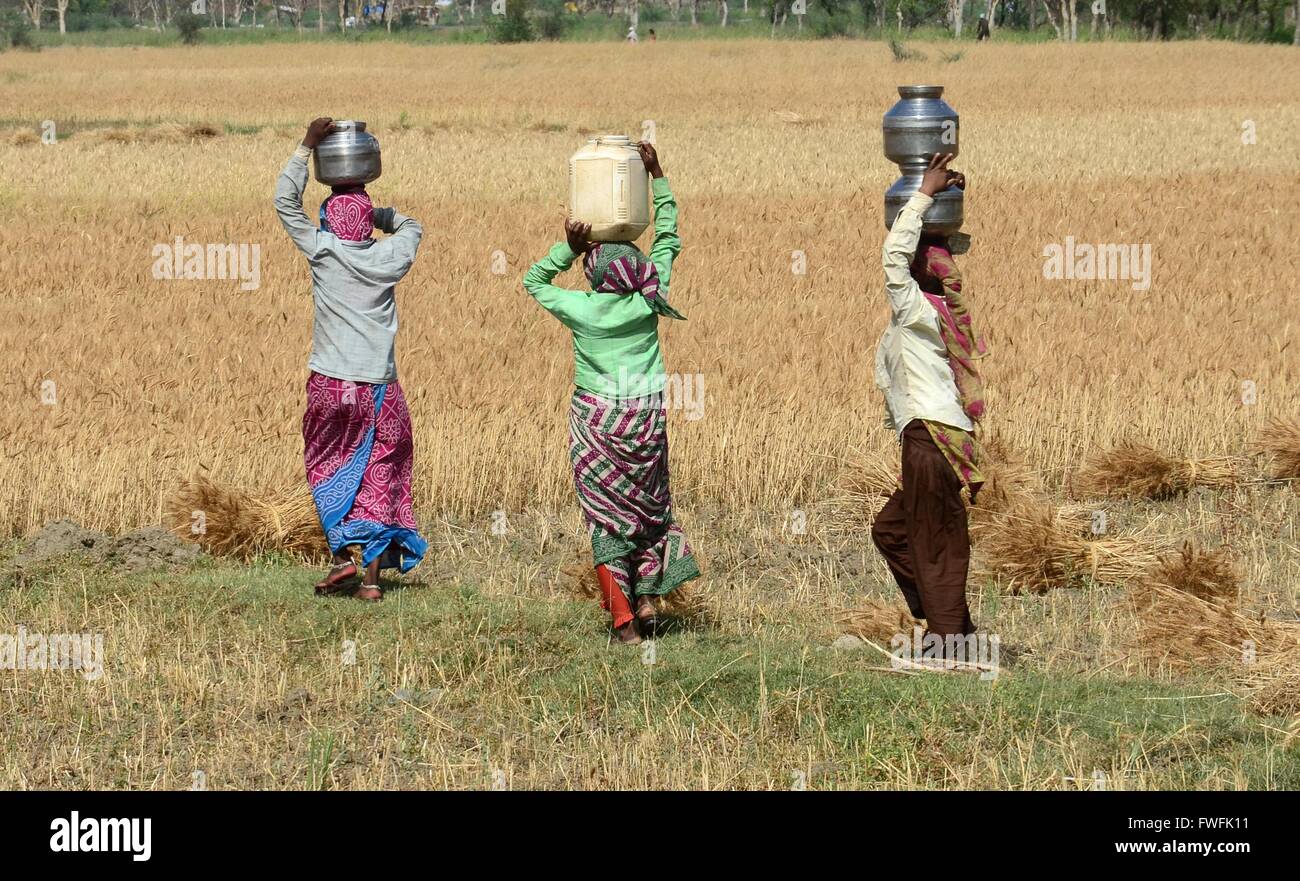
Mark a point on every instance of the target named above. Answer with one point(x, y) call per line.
point(876, 621)
point(1280, 442)
point(229, 521)
point(1135, 470)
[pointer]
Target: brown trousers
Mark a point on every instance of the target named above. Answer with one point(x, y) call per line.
point(922, 534)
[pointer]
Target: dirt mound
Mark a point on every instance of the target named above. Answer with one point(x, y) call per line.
point(149, 548)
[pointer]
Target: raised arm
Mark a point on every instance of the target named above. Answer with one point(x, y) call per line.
point(667, 244)
point(905, 297)
point(537, 281)
point(290, 185)
point(288, 202)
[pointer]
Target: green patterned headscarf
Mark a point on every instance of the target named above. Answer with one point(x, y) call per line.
point(621, 268)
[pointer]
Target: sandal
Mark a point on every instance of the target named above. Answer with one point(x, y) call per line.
point(647, 616)
point(337, 580)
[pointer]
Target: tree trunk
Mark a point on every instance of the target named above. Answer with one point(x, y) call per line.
point(725, 12)
point(34, 9)
point(1051, 18)
point(694, 6)
point(63, 9)
point(1295, 40)
point(955, 8)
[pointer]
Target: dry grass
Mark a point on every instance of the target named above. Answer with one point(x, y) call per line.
point(877, 621)
point(1190, 617)
point(228, 521)
point(155, 380)
point(1136, 470)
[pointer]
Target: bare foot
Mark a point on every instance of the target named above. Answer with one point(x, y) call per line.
point(371, 593)
point(628, 634)
point(342, 576)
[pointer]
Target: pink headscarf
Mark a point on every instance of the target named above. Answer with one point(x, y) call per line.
point(349, 216)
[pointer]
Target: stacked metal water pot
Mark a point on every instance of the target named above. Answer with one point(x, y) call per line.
point(920, 125)
point(348, 156)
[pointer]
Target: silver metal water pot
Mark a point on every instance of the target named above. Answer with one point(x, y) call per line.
point(920, 125)
point(348, 156)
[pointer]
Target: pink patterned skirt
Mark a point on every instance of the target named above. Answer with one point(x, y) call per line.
point(358, 449)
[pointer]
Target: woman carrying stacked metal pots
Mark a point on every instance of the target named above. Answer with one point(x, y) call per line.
point(927, 369)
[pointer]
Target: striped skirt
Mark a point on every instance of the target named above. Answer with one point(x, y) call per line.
point(619, 451)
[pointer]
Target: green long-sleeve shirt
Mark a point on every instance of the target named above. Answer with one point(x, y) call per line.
point(615, 336)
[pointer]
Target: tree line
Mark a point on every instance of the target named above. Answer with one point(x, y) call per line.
point(1067, 20)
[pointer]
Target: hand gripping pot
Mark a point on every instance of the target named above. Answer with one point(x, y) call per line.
point(610, 189)
point(920, 125)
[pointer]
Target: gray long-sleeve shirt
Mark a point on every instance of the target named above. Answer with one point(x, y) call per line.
point(352, 284)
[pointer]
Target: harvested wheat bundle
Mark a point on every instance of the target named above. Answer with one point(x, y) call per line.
point(1272, 683)
point(685, 602)
point(872, 477)
point(225, 520)
point(877, 621)
point(1187, 610)
point(1207, 575)
point(1036, 547)
point(1008, 481)
point(162, 133)
point(1280, 441)
point(1135, 470)
point(1189, 618)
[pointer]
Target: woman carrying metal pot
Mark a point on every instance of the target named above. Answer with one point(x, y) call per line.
point(926, 367)
point(357, 437)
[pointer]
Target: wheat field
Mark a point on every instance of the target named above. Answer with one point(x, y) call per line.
point(123, 384)
point(771, 149)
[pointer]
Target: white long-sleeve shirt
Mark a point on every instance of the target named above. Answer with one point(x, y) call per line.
point(912, 367)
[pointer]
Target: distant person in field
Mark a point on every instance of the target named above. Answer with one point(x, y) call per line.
point(357, 437)
point(618, 435)
point(982, 29)
point(926, 366)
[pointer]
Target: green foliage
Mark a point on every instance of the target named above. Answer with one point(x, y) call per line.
point(834, 22)
point(554, 23)
point(189, 27)
point(514, 26)
point(652, 14)
point(15, 30)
